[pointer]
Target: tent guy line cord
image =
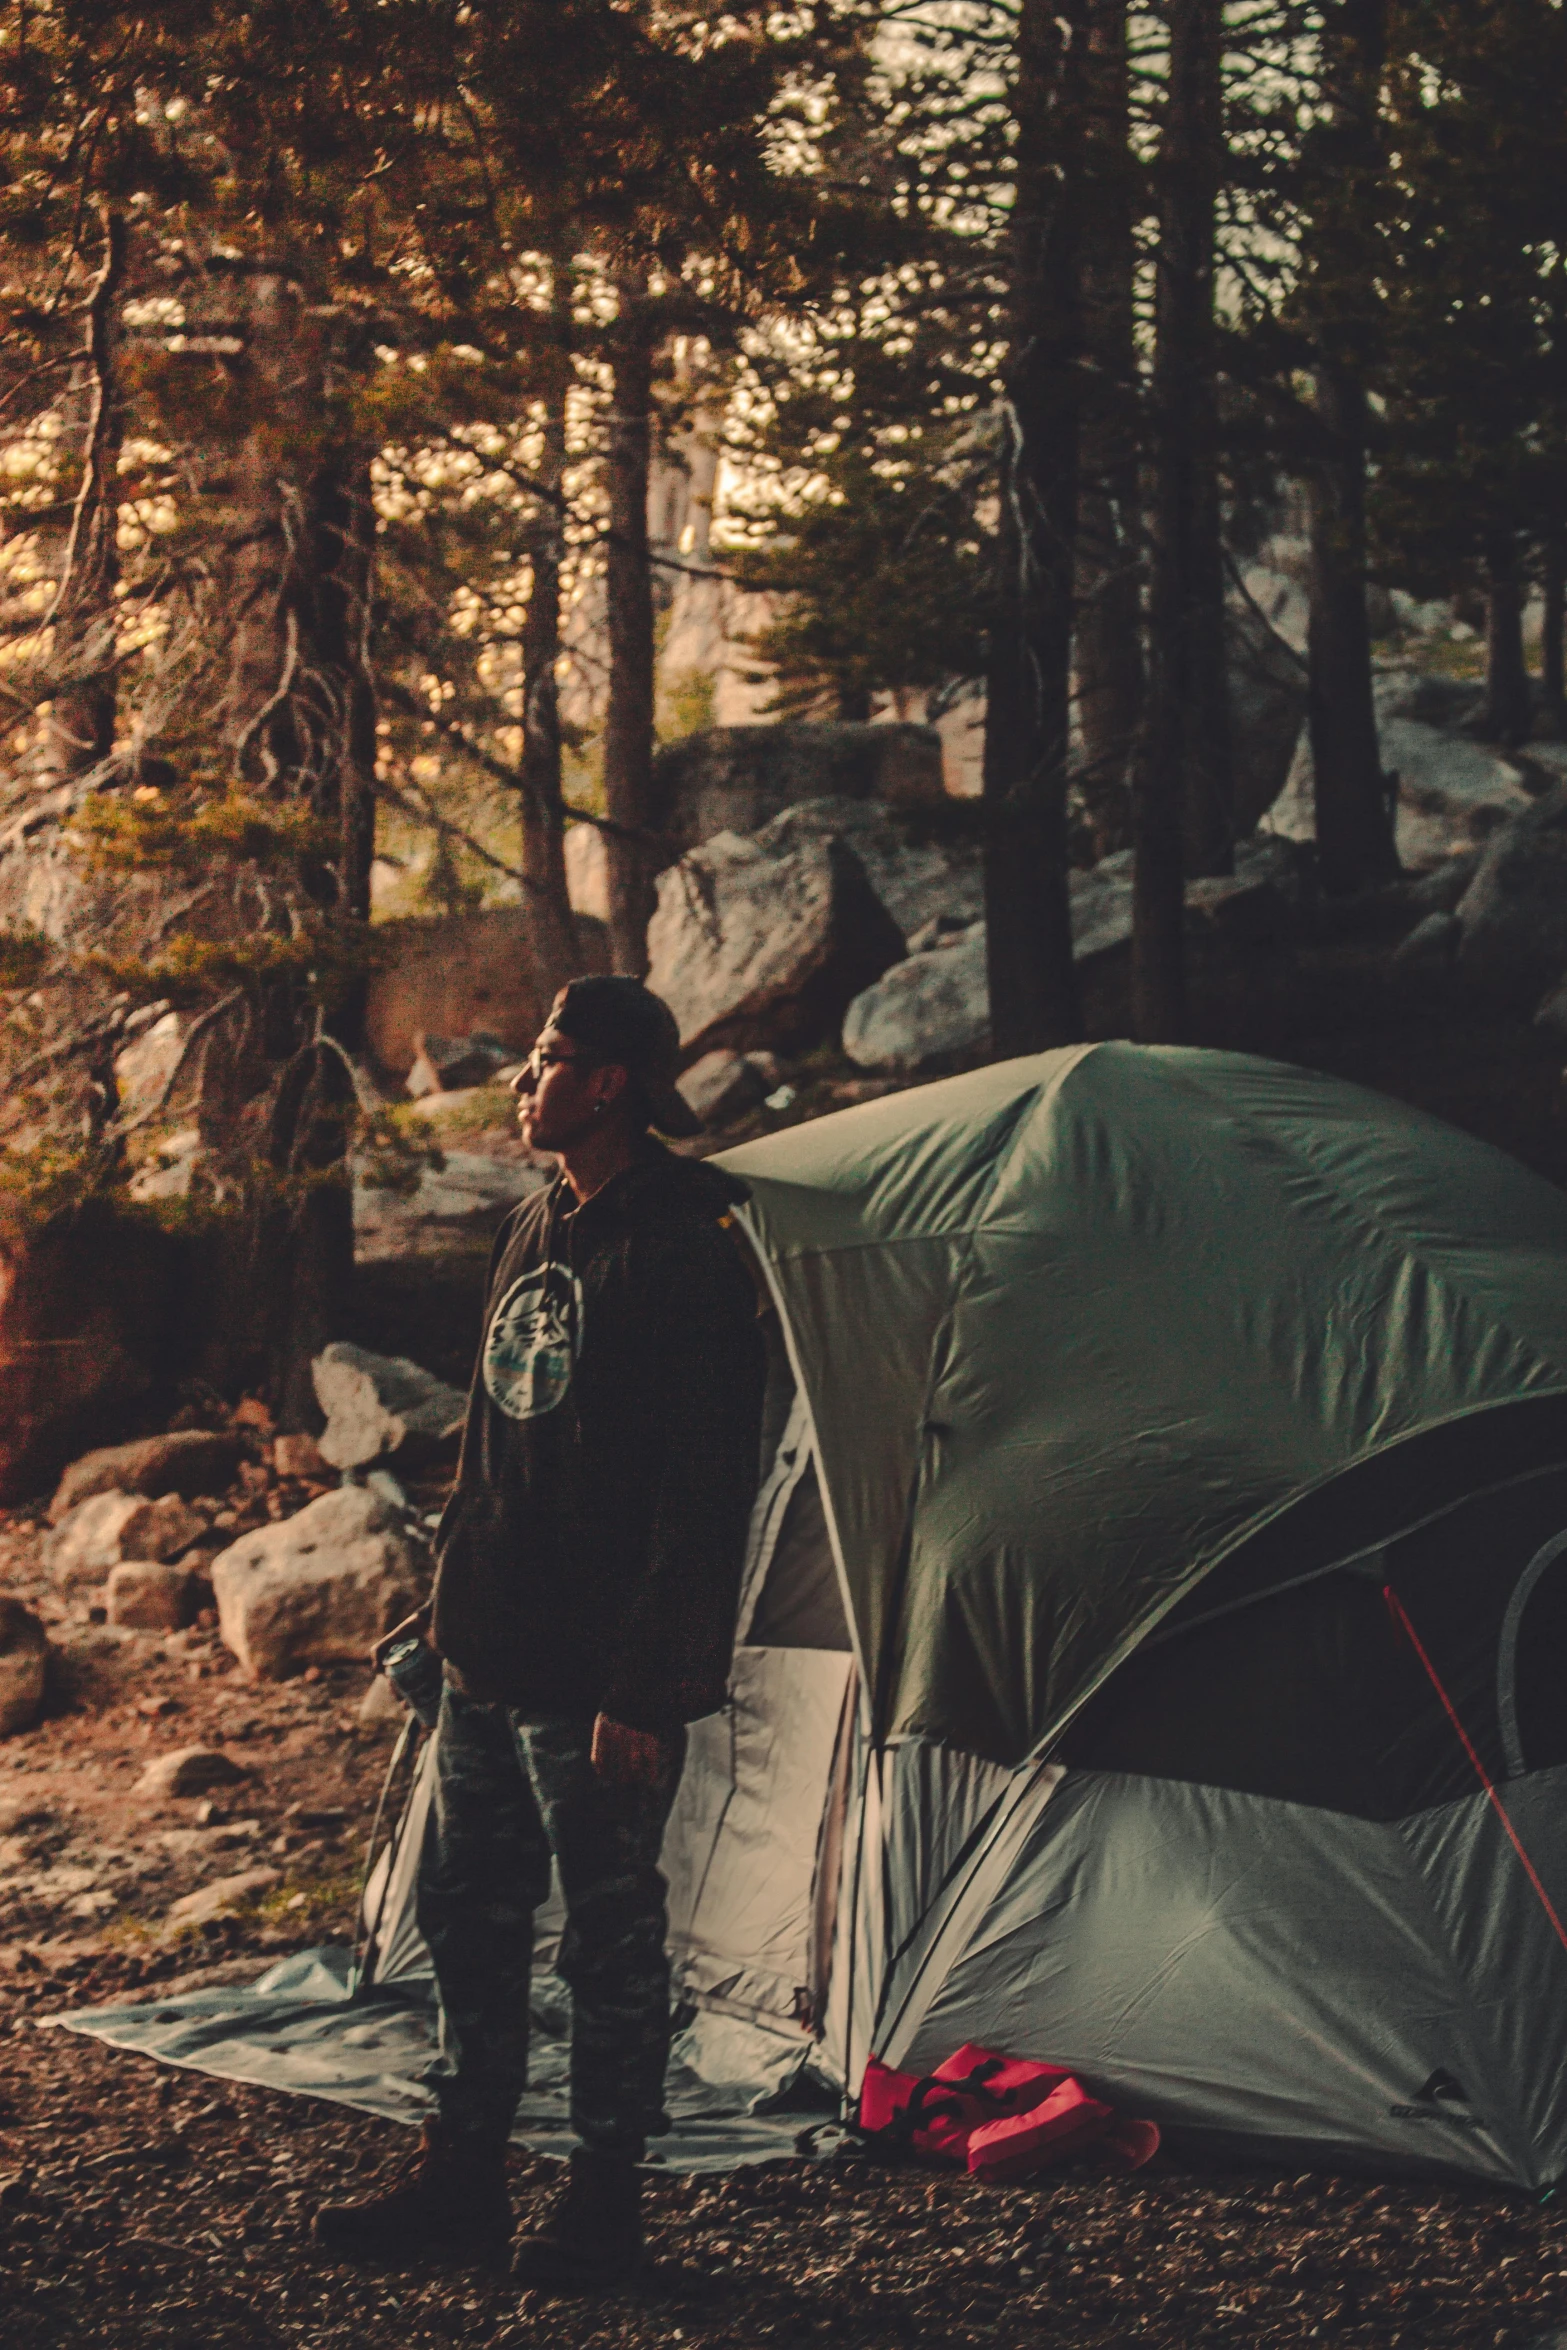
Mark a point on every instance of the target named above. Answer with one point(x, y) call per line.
point(1400, 1615)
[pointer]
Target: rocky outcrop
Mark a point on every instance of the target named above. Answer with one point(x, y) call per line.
point(1514, 913)
point(320, 1588)
point(763, 941)
point(931, 1012)
point(450, 976)
point(449, 1064)
point(737, 778)
point(188, 1461)
point(1453, 794)
point(380, 1405)
point(921, 872)
point(24, 1666)
point(94, 1537)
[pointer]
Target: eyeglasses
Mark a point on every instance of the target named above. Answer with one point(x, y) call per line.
point(542, 1058)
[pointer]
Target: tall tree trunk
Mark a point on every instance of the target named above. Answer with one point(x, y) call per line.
point(1355, 848)
point(628, 726)
point(1508, 716)
point(1553, 636)
point(1355, 845)
point(80, 729)
point(1033, 981)
point(1109, 636)
point(552, 928)
point(299, 720)
point(1183, 799)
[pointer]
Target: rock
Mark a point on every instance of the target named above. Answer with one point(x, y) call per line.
point(1439, 890)
point(381, 1703)
point(319, 1588)
point(144, 1070)
point(452, 974)
point(587, 871)
point(223, 1895)
point(918, 879)
point(1514, 912)
point(932, 1012)
point(926, 1014)
point(24, 1666)
point(1453, 794)
point(149, 1595)
point(298, 1456)
point(1267, 690)
point(764, 941)
point(942, 930)
point(172, 1169)
point(1431, 946)
point(463, 1197)
point(188, 1770)
point(376, 1405)
point(189, 1461)
point(443, 1064)
point(737, 778)
point(721, 1086)
point(97, 1534)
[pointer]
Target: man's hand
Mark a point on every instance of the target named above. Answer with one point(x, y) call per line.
point(624, 1757)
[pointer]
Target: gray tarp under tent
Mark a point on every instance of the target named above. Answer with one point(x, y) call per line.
point(1153, 1642)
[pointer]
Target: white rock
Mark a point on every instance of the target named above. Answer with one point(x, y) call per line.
point(917, 880)
point(587, 871)
point(222, 1895)
point(1267, 689)
point(143, 1070)
point(1453, 794)
point(109, 1527)
point(1514, 912)
point(377, 1405)
point(318, 1588)
point(24, 1666)
point(189, 1770)
point(470, 1191)
point(150, 1595)
point(763, 940)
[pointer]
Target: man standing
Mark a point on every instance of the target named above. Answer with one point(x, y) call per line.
point(589, 1565)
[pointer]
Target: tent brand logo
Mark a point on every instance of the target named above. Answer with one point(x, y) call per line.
point(1438, 2101)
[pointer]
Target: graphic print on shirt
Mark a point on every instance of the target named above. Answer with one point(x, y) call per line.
point(533, 1340)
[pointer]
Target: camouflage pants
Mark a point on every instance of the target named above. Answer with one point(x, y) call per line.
point(509, 1796)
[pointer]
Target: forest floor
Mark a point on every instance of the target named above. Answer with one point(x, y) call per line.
point(141, 2205)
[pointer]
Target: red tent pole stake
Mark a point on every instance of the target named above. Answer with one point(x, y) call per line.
point(1400, 1616)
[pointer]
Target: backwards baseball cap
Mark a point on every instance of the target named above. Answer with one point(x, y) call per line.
point(622, 1021)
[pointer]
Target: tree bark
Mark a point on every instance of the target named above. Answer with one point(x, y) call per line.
point(1033, 981)
point(80, 729)
point(1109, 633)
point(552, 928)
point(628, 726)
point(1553, 639)
point(1508, 716)
point(1355, 846)
point(1183, 797)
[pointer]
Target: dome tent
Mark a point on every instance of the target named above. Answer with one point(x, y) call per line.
point(1167, 1447)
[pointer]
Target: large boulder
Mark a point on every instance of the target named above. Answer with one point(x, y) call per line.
point(1453, 794)
point(1514, 913)
point(737, 778)
point(377, 1405)
point(764, 941)
point(188, 1461)
point(454, 975)
point(93, 1538)
point(24, 1666)
point(932, 1011)
point(922, 872)
point(320, 1588)
point(721, 1086)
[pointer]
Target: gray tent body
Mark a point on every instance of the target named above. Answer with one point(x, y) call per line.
point(1113, 1386)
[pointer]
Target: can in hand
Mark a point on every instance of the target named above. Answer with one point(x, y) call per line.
point(413, 1668)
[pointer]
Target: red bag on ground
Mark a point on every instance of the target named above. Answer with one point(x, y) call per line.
point(935, 2116)
point(1023, 2143)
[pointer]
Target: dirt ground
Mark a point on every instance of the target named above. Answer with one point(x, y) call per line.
point(141, 2205)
